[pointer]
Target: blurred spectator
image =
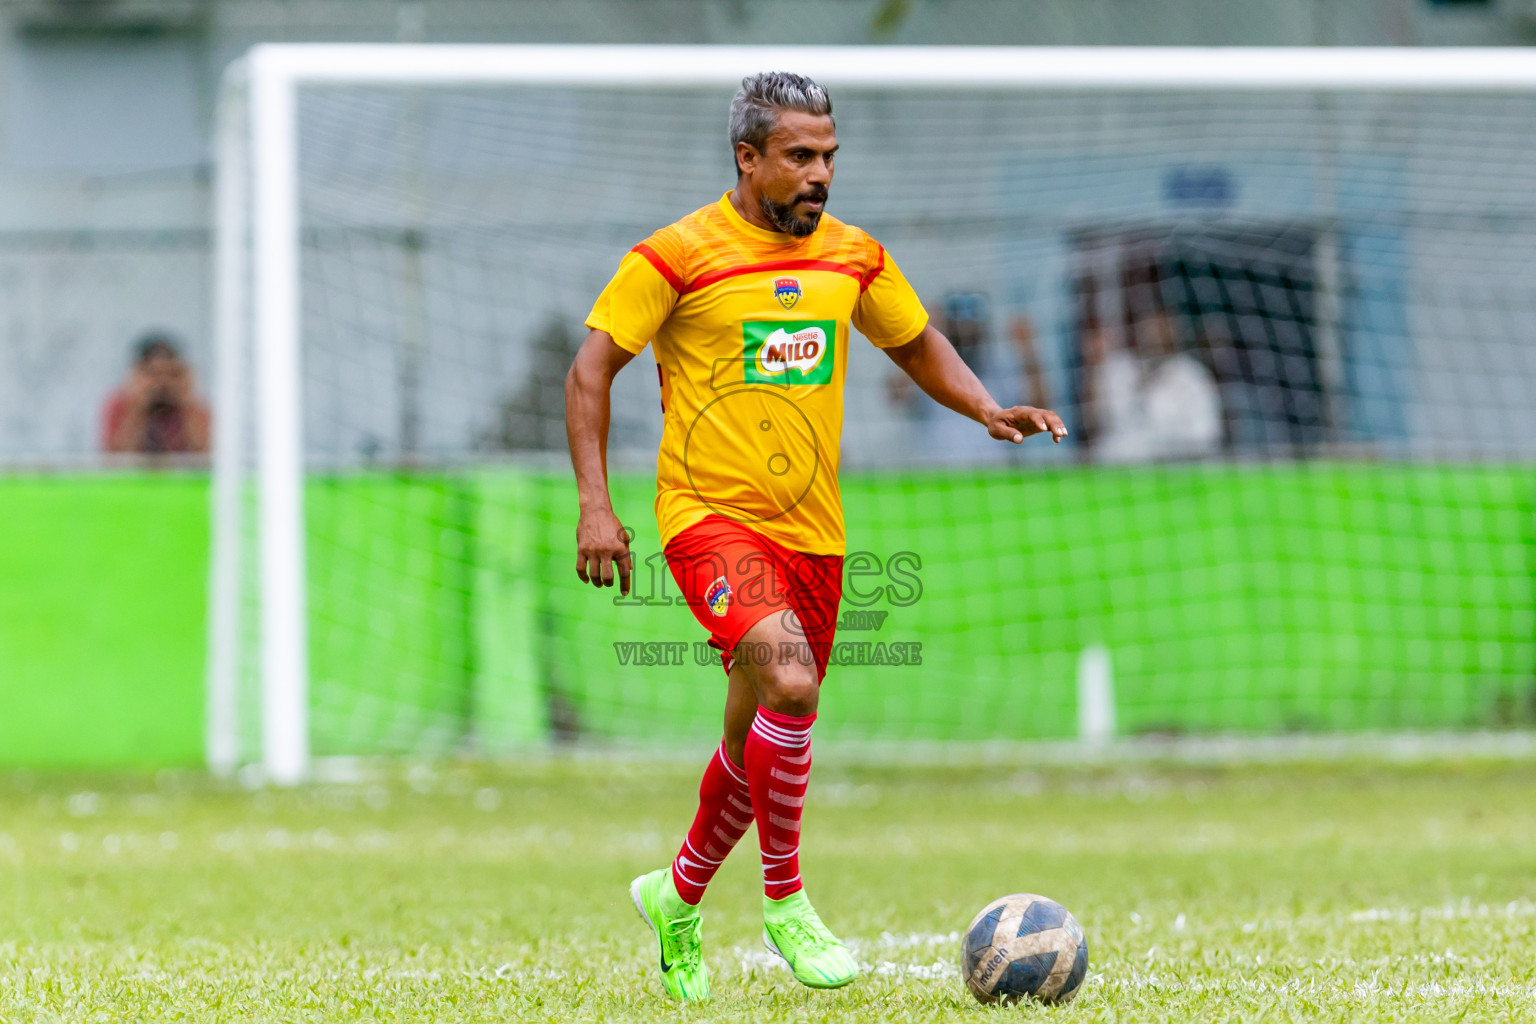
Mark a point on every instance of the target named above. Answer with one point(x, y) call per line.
point(533, 418)
point(966, 322)
point(1033, 389)
point(964, 319)
point(155, 410)
point(1151, 398)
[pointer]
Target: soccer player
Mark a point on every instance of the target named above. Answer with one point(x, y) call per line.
point(747, 303)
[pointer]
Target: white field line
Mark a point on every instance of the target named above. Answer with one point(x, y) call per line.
point(1463, 910)
point(1366, 989)
point(875, 955)
point(748, 959)
point(1466, 910)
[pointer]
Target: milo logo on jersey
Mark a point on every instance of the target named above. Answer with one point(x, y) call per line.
point(789, 351)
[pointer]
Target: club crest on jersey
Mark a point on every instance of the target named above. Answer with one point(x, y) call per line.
point(787, 291)
point(718, 596)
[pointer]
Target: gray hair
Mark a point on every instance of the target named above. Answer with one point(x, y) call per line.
point(753, 111)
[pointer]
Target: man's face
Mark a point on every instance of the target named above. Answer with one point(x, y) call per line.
point(165, 376)
point(794, 172)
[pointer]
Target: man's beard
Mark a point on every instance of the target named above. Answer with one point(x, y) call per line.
point(782, 215)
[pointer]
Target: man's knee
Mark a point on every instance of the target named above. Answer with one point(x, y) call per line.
point(788, 687)
point(782, 665)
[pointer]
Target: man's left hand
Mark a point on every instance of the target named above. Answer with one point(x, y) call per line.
point(1021, 421)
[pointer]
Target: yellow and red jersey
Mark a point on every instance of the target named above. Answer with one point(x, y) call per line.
point(750, 332)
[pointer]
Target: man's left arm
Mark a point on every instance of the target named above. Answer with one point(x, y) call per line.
point(932, 362)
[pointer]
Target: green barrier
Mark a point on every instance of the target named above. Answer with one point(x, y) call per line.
point(445, 613)
point(1252, 598)
point(103, 582)
point(515, 683)
point(391, 563)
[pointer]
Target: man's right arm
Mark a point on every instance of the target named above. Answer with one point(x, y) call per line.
point(602, 543)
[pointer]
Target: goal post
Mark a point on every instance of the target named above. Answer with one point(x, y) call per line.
point(261, 612)
point(231, 339)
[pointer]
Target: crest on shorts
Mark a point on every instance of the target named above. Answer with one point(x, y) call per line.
point(787, 291)
point(718, 596)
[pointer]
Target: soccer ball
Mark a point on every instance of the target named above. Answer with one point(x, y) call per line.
point(1024, 946)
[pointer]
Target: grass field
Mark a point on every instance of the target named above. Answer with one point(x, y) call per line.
point(470, 893)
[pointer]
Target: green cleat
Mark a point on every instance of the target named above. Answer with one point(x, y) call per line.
point(793, 931)
point(677, 927)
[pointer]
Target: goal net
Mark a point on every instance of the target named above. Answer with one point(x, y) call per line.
point(1283, 300)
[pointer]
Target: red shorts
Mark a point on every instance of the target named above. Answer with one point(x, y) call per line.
point(733, 577)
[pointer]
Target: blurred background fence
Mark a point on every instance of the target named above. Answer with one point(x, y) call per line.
point(1333, 292)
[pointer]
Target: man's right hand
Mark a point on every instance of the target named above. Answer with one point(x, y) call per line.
point(602, 547)
point(602, 543)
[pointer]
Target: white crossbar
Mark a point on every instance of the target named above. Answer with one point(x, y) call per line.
point(916, 67)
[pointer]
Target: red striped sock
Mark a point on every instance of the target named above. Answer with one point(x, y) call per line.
point(778, 758)
point(725, 811)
